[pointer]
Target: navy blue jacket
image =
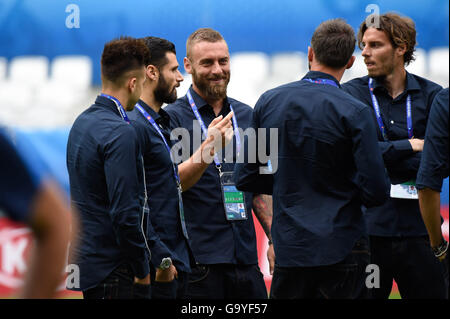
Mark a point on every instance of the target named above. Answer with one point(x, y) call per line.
point(397, 217)
point(106, 186)
point(169, 240)
point(18, 183)
point(328, 165)
point(213, 239)
point(434, 166)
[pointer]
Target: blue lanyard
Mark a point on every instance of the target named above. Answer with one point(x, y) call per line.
point(119, 106)
point(205, 130)
point(156, 127)
point(322, 81)
point(376, 107)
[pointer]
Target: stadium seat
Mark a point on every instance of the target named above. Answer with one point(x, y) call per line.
point(252, 66)
point(249, 72)
point(419, 65)
point(357, 70)
point(29, 70)
point(3, 65)
point(73, 70)
point(438, 65)
point(289, 66)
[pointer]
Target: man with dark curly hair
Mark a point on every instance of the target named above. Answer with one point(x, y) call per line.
point(400, 102)
point(106, 180)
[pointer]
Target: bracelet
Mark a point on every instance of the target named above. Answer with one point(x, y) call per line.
point(440, 250)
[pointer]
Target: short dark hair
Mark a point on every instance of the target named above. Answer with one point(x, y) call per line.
point(122, 55)
point(333, 43)
point(202, 34)
point(158, 48)
point(400, 30)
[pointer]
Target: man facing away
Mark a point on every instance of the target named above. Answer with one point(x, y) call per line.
point(106, 179)
point(328, 165)
point(400, 103)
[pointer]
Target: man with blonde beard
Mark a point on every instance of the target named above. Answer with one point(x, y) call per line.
point(223, 241)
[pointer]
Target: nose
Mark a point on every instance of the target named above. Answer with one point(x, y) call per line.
point(216, 69)
point(179, 76)
point(366, 51)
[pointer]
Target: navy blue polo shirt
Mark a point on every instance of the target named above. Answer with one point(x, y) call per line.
point(397, 217)
point(161, 188)
point(106, 186)
point(434, 167)
point(18, 182)
point(328, 165)
point(213, 238)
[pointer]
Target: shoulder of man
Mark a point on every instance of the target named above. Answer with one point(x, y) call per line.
point(174, 110)
point(239, 106)
point(360, 83)
point(427, 85)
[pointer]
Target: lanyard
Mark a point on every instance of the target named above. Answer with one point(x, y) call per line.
point(156, 127)
point(119, 106)
point(205, 130)
point(322, 81)
point(376, 107)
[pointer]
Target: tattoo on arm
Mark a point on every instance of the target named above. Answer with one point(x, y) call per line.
point(262, 207)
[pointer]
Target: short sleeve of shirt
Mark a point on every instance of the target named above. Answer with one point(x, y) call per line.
point(18, 185)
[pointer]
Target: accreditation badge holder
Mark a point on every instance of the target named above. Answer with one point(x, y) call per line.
point(181, 210)
point(233, 199)
point(406, 190)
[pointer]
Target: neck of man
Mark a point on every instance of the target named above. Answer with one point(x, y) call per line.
point(119, 94)
point(395, 82)
point(336, 73)
point(216, 104)
point(148, 97)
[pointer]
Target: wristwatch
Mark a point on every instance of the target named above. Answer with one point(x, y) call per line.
point(165, 263)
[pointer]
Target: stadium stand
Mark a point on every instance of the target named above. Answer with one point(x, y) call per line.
point(61, 88)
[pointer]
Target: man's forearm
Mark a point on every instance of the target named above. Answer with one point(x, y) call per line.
point(429, 201)
point(192, 170)
point(263, 209)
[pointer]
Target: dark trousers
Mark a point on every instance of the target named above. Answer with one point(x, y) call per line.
point(344, 280)
point(118, 285)
point(175, 289)
point(226, 281)
point(412, 264)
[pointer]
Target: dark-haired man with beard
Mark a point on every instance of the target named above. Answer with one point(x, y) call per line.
point(223, 240)
point(165, 180)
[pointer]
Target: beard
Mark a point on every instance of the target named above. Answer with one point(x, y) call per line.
point(211, 91)
point(163, 93)
point(387, 67)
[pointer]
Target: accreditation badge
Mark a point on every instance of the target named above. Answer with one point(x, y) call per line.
point(406, 190)
point(233, 199)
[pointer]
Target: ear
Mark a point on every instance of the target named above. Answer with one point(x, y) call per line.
point(152, 72)
point(187, 65)
point(310, 54)
point(401, 49)
point(350, 62)
point(132, 82)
